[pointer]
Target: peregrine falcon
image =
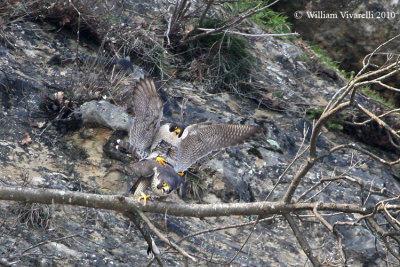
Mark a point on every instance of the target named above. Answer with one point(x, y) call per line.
point(162, 180)
point(192, 143)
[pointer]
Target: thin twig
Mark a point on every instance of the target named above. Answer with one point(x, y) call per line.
point(255, 10)
point(136, 219)
point(163, 238)
point(203, 15)
point(48, 241)
point(244, 243)
point(222, 228)
point(251, 35)
point(302, 240)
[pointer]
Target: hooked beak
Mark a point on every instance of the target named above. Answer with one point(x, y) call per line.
point(165, 188)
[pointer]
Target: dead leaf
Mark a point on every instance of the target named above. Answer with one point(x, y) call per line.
point(65, 20)
point(59, 96)
point(26, 139)
point(41, 124)
point(189, 28)
point(269, 96)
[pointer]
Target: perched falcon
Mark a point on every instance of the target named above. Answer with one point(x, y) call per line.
point(162, 180)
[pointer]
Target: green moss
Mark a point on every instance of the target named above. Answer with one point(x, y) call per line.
point(330, 63)
point(389, 103)
point(275, 22)
point(334, 123)
point(278, 94)
point(314, 113)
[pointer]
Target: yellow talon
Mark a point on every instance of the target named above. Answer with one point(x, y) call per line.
point(181, 173)
point(144, 197)
point(161, 160)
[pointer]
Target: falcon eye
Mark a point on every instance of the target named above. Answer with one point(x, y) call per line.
point(173, 128)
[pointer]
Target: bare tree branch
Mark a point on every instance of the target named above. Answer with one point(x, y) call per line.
point(253, 11)
point(378, 120)
point(203, 15)
point(121, 203)
point(163, 238)
point(302, 240)
point(333, 230)
point(252, 35)
point(136, 219)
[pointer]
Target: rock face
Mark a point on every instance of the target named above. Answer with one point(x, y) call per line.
point(346, 38)
point(64, 155)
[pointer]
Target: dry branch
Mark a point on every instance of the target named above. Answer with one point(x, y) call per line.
point(237, 21)
point(138, 221)
point(163, 238)
point(123, 204)
point(302, 240)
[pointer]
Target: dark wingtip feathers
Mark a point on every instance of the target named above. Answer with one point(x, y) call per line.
point(145, 86)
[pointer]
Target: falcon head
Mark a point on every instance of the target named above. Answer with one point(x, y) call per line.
point(176, 128)
point(169, 181)
point(172, 132)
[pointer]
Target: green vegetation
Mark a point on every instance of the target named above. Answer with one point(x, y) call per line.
point(278, 94)
point(389, 103)
point(334, 123)
point(330, 63)
point(225, 58)
point(275, 22)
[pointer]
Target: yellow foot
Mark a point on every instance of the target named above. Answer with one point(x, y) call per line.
point(161, 160)
point(181, 173)
point(144, 197)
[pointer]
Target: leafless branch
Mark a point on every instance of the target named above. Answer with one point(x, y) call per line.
point(378, 120)
point(136, 219)
point(222, 228)
point(203, 15)
point(123, 204)
point(380, 117)
point(332, 230)
point(302, 240)
point(163, 238)
point(250, 13)
point(244, 243)
point(251, 35)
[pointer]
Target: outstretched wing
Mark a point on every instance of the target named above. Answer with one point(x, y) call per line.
point(199, 140)
point(147, 107)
